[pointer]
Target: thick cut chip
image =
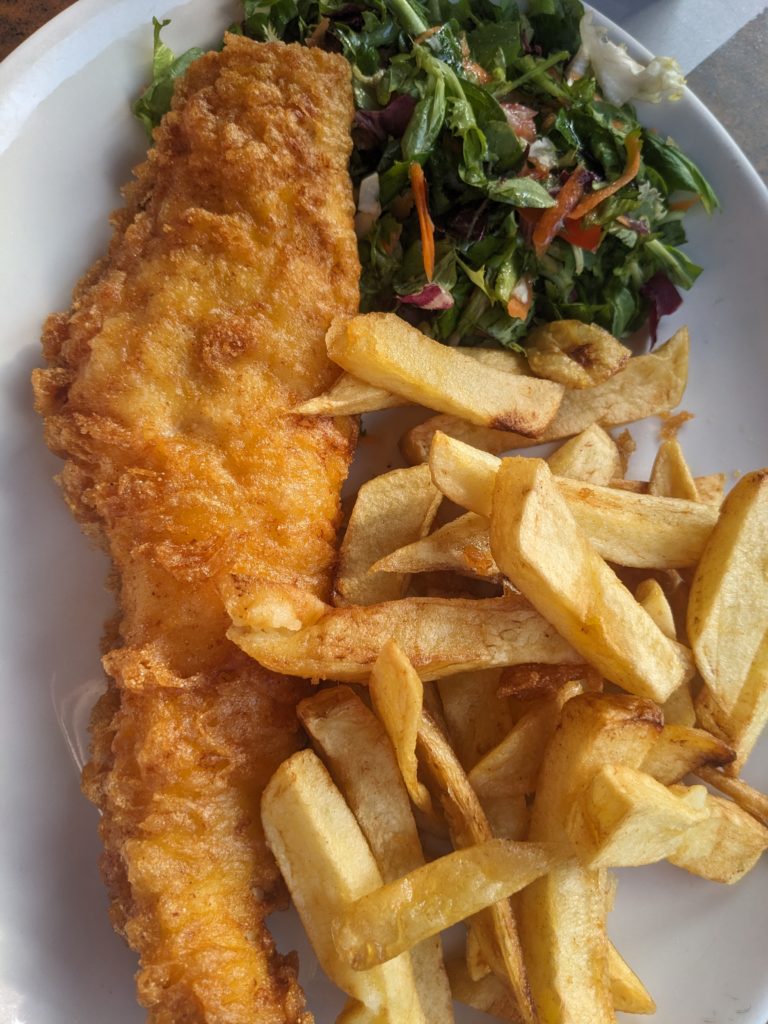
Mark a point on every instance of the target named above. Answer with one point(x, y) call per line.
point(629, 993)
point(391, 510)
point(671, 476)
point(489, 994)
point(749, 799)
point(678, 708)
point(651, 596)
point(529, 682)
point(462, 546)
point(494, 929)
point(511, 769)
point(397, 695)
point(327, 864)
point(591, 456)
point(725, 846)
point(391, 920)
point(625, 818)
point(361, 760)
point(728, 618)
point(647, 386)
point(476, 717)
point(635, 530)
point(440, 636)
point(562, 915)
point(350, 395)
point(575, 354)
point(537, 543)
point(680, 750)
point(385, 351)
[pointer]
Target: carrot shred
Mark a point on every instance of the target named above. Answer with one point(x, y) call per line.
point(685, 204)
point(551, 220)
point(426, 227)
point(633, 144)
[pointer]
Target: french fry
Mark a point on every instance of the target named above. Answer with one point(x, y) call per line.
point(476, 717)
point(462, 546)
point(725, 846)
point(391, 510)
point(539, 546)
point(709, 489)
point(391, 920)
point(397, 695)
point(508, 816)
point(750, 800)
point(489, 994)
point(628, 529)
point(562, 915)
point(625, 818)
point(728, 618)
point(440, 637)
point(327, 864)
point(650, 595)
point(678, 708)
point(529, 682)
point(591, 456)
point(671, 476)
point(629, 993)
point(681, 750)
point(385, 351)
point(350, 395)
point(647, 386)
point(512, 768)
point(495, 928)
point(575, 354)
point(361, 760)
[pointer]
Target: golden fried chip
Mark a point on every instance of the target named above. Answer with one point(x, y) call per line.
point(648, 385)
point(539, 546)
point(385, 351)
point(575, 354)
point(362, 762)
point(397, 695)
point(728, 618)
point(327, 864)
point(628, 529)
point(391, 510)
point(391, 920)
point(440, 637)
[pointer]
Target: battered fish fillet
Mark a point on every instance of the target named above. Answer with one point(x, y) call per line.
point(168, 394)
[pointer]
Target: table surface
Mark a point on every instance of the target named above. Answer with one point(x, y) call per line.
point(731, 80)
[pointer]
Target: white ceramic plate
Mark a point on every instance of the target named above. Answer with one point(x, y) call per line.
point(67, 142)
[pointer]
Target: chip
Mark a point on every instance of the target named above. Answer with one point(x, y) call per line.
point(391, 510)
point(385, 351)
point(647, 386)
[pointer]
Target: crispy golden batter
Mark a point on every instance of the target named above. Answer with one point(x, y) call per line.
point(168, 394)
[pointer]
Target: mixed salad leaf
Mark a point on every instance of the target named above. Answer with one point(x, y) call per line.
point(498, 185)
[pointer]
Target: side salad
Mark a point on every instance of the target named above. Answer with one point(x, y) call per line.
point(502, 176)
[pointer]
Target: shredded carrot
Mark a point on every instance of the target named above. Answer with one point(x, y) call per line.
point(551, 220)
point(426, 35)
point(684, 204)
point(519, 308)
point(473, 68)
point(426, 227)
point(632, 166)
